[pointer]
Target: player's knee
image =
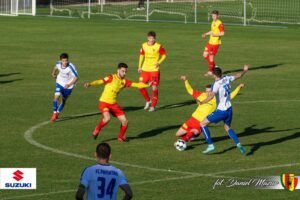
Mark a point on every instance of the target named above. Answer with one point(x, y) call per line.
point(106, 119)
point(154, 87)
point(226, 127)
point(124, 122)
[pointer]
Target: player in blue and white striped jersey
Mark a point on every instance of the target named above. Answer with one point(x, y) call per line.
point(221, 90)
point(102, 181)
point(66, 77)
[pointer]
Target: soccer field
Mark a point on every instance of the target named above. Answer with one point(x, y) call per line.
point(266, 112)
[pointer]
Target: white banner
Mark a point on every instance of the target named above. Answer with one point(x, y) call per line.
point(18, 178)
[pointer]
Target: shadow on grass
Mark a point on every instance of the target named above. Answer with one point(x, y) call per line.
point(10, 81)
point(150, 133)
point(249, 131)
point(255, 68)
point(177, 105)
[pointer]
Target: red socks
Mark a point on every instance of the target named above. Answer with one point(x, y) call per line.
point(154, 97)
point(145, 94)
point(122, 131)
point(101, 125)
point(187, 136)
point(211, 64)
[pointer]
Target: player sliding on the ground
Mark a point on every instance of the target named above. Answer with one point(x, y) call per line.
point(108, 101)
point(152, 54)
point(191, 127)
point(211, 49)
point(66, 76)
point(221, 90)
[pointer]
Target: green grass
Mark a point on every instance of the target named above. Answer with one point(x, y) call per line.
point(269, 130)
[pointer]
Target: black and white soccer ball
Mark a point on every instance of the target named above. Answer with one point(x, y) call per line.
point(180, 145)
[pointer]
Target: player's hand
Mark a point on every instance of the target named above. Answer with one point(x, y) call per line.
point(86, 85)
point(204, 35)
point(246, 67)
point(67, 86)
point(54, 75)
point(184, 78)
point(242, 85)
point(139, 70)
point(157, 65)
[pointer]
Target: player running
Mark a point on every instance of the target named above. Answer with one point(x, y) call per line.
point(221, 90)
point(152, 54)
point(108, 101)
point(102, 181)
point(191, 127)
point(66, 78)
point(211, 48)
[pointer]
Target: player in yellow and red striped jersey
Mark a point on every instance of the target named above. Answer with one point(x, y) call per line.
point(192, 126)
point(108, 101)
point(216, 32)
point(152, 54)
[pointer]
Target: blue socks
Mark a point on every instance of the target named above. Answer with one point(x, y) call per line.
point(206, 134)
point(61, 107)
point(55, 106)
point(233, 136)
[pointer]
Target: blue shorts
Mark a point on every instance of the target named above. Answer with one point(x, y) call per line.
point(61, 90)
point(221, 115)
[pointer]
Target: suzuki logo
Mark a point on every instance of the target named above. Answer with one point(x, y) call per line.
point(18, 175)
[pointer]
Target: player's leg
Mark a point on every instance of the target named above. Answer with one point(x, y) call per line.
point(123, 128)
point(144, 78)
point(207, 136)
point(55, 106)
point(104, 109)
point(231, 132)
point(192, 128)
point(206, 55)
point(65, 94)
point(155, 79)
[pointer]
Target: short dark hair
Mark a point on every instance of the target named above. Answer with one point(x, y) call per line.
point(103, 150)
point(217, 71)
point(151, 33)
point(122, 65)
point(64, 56)
point(208, 86)
point(216, 12)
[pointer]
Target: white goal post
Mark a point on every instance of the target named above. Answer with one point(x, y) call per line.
point(187, 11)
point(17, 7)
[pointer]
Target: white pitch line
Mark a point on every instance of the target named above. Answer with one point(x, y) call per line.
point(72, 190)
point(30, 131)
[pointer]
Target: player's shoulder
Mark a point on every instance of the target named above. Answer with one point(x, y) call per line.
point(58, 63)
point(219, 21)
point(144, 44)
point(71, 65)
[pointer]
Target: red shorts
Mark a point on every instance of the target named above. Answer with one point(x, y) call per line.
point(153, 77)
point(114, 109)
point(212, 49)
point(190, 124)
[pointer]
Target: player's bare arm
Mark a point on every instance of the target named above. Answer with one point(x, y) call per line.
point(206, 34)
point(210, 96)
point(71, 83)
point(80, 193)
point(242, 73)
point(128, 192)
point(218, 35)
point(54, 72)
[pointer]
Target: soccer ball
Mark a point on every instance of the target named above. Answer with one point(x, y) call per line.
point(180, 145)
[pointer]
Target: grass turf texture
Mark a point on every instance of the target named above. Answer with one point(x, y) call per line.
point(269, 130)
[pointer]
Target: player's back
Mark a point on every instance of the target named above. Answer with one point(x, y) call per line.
point(102, 181)
point(216, 28)
point(222, 90)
